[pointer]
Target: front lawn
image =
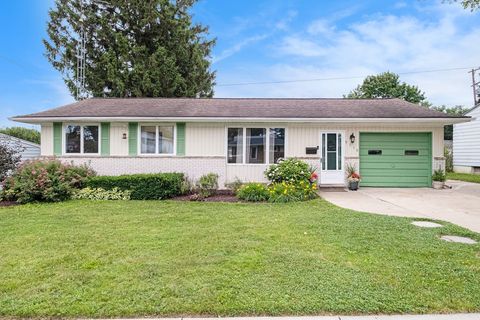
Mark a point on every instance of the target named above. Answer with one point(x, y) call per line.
point(146, 258)
point(468, 177)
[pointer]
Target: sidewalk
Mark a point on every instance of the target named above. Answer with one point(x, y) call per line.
point(458, 316)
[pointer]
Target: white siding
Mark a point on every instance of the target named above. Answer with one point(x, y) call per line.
point(46, 140)
point(466, 141)
point(205, 139)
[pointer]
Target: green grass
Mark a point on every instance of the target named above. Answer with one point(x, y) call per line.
point(468, 177)
point(145, 258)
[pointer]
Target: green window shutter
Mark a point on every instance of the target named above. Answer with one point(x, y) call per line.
point(57, 138)
point(180, 139)
point(105, 145)
point(132, 138)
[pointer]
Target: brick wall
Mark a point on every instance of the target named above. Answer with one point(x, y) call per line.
point(193, 167)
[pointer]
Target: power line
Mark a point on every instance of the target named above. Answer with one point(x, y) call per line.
point(334, 78)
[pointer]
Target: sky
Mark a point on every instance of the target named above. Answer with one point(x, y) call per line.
point(336, 42)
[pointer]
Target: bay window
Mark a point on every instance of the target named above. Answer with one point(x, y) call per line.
point(82, 139)
point(255, 145)
point(157, 139)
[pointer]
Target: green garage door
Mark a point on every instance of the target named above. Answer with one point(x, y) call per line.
point(396, 159)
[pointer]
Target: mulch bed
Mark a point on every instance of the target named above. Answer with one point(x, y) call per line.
point(220, 196)
point(7, 203)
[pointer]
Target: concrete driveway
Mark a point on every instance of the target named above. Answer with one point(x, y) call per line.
point(459, 205)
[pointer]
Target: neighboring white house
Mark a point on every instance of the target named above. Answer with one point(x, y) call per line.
point(466, 144)
point(393, 143)
point(29, 150)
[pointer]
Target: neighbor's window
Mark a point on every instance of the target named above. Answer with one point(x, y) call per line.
point(81, 139)
point(235, 145)
point(277, 144)
point(256, 141)
point(156, 139)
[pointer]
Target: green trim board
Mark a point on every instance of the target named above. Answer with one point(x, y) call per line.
point(105, 138)
point(180, 138)
point(57, 138)
point(132, 138)
point(396, 159)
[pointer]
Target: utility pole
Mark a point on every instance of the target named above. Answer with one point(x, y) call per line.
point(475, 86)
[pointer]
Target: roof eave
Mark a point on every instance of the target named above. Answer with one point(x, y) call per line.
point(438, 120)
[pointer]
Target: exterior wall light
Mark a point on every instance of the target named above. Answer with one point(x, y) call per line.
point(352, 138)
point(124, 136)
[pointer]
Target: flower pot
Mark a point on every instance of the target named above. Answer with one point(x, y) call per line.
point(438, 185)
point(353, 185)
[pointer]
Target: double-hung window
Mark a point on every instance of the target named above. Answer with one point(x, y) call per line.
point(255, 145)
point(82, 139)
point(157, 139)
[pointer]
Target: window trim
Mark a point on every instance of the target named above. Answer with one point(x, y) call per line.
point(81, 153)
point(244, 142)
point(156, 125)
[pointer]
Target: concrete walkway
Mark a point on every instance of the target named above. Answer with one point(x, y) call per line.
point(462, 316)
point(459, 205)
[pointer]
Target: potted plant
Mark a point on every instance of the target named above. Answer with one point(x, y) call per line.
point(438, 178)
point(353, 178)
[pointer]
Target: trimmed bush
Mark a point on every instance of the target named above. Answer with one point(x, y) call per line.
point(101, 194)
point(289, 170)
point(207, 185)
point(44, 181)
point(253, 192)
point(154, 186)
point(290, 192)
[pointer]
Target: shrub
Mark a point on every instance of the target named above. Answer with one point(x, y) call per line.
point(439, 175)
point(253, 192)
point(45, 180)
point(155, 186)
point(9, 158)
point(234, 185)
point(186, 186)
point(448, 160)
point(207, 185)
point(101, 194)
point(289, 170)
point(290, 192)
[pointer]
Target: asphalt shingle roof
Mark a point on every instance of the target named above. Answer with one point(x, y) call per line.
point(240, 108)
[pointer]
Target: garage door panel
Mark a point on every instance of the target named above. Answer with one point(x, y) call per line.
point(398, 165)
point(397, 184)
point(405, 146)
point(395, 152)
point(395, 166)
point(394, 172)
point(398, 159)
point(394, 137)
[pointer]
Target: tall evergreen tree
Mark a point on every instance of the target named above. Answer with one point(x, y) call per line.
point(134, 48)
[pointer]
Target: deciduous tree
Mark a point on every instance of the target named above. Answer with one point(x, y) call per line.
point(387, 85)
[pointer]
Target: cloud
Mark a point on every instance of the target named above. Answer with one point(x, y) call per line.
point(284, 23)
point(237, 47)
point(380, 42)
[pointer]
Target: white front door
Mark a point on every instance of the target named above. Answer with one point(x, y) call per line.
point(331, 162)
